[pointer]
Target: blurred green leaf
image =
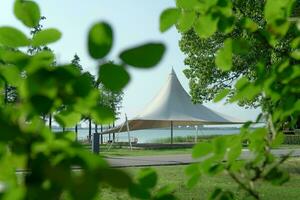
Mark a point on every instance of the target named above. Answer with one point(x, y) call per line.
point(186, 21)
point(11, 74)
point(39, 60)
point(277, 176)
point(82, 86)
point(192, 181)
point(114, 77)
point(168, 18)
point(116, 178)
point(221, 95)
point(240, 46)
point(147, 178)
point(206, 25)
point(41, 104)
point(165, 193)
point(276, 14)
point(296, 54)
point(202, 149)
point(67, 118)
point(235, 149)
point(103, 115)
point(226, 24)
point(12, 37)
point(192, 169)
point(17, 58)
point(249, 24)
point(138, 191)
point(220, 146)
point(45, 37)
point(144, 56)
point(224, 56)
point(277, 9)
point(219, 194)
point(100, 40)
point(28, 12)
point(186, 4)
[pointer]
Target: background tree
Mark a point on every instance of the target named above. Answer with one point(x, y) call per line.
point(205, 78)
point(112, 100)
point(35, 49)
point(76, 63)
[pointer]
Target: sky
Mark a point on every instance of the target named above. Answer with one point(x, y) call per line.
point(134, 22)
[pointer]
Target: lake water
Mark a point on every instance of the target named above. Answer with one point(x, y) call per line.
point(145, 136)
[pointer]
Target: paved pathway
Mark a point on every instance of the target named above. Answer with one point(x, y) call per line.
point(180, 159)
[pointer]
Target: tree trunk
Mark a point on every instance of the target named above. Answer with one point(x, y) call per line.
point(76, 132)
point(50, 121)
point(109, 137)
point(114, 135)
point(101, 136)
point(90, 130)
point(96, 128)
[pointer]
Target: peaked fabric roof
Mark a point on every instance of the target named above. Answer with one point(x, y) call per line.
point(173, 104)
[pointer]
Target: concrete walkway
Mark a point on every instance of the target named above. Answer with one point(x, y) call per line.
point(180, 159)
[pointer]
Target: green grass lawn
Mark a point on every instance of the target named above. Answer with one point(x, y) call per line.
point(175, 176)
point(144, 152)
point(125, 151)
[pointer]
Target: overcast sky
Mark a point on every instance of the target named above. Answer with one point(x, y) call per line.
point(134, 22)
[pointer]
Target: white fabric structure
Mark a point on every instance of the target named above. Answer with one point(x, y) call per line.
point(173, 106)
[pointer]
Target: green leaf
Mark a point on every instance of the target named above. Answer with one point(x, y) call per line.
point(186, 21)
point(277, 9)
point(186, 4)
point(28, 12)
point(147, 178)
point(144, 56)
point(221, 95)
point(224, 56)
point(192, 169)
point(100, 40)
point(226, 24)
point(41, 104)
point(12, 37)
point(138, 191)
point(249, 24)
point(11, 74)
point(240, 46)
point(221, 194)
point(219, 146)
point(103, 115)
point(165, 193)
point(277, 13)
point(45, 37)
point(206, 25)
point(296, 54)
point(192, 181)
point(277, 176)
point(202, 149)
point(83, 84)
point(116, 178)
point(114, 77)
point(235, 149)
point(168, 18)
point(17, 58)
point(67, 118)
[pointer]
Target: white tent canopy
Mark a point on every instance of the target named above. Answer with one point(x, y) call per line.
point(173, 106)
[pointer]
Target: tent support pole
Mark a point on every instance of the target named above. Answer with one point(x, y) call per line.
point(196, 134)
point(171, 132)
point(128, 132)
